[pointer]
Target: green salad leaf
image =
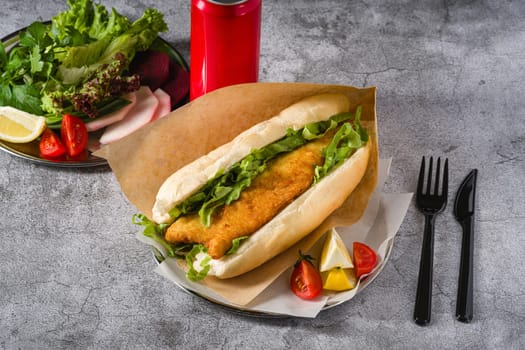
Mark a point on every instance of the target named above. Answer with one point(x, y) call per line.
point(194, 274)
point(78, 18)
point(3, 55)
point(346, 140)
point(120, 38)
point(154, 231)
point(26, 69)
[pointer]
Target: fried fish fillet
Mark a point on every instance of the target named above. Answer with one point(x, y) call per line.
point(285, 178)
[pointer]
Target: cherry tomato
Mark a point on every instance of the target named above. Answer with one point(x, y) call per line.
point(364, 258)
point(50, 145)
point(74, 134)
point(306, 281)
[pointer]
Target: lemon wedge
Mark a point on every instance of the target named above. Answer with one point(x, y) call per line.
point(338, 279)
point(335, 253)
point(18, 126)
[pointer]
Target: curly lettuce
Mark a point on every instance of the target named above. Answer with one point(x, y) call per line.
point(116, 39)
point(104, 84)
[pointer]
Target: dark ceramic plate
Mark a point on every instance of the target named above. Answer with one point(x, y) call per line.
point(30, 151)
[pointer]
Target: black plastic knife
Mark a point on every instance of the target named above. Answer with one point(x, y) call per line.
point(464, 207)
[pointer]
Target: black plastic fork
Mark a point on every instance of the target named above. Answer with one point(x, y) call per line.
point(430, 203)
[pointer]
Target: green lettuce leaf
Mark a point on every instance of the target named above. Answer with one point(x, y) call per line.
point(154, 231)
point(194, 274)
point(78, 17)
point(104, 26)
point(344, 143)
point(236, 243)
point(80, 58)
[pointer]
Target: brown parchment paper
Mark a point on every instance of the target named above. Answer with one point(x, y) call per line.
point(143, 160)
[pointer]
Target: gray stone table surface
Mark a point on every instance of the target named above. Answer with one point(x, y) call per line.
point(451, 82)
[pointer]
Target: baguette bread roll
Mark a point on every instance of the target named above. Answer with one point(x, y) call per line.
point(295, 221)
point(193, 176)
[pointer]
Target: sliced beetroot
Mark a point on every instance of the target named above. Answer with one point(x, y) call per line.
point(153, 67)
point(177, 85)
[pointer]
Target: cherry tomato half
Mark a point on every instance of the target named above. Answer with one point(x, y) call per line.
point(74, 134)
point(306, 281)
point(364, 258)
point(50, 145)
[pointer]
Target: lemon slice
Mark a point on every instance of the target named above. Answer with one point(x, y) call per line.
point(334, 253)
point(20, 127)
point(338, 279)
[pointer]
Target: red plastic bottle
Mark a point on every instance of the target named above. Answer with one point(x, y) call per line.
point(225, 41)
